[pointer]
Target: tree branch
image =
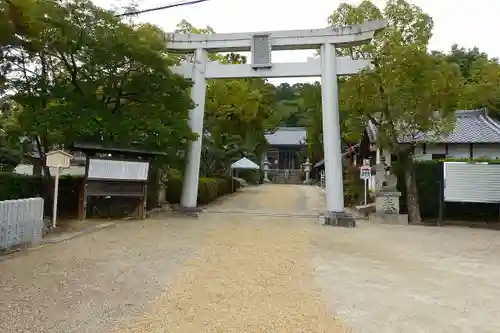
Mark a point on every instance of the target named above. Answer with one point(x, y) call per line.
point(72, 69)
point(373, 120)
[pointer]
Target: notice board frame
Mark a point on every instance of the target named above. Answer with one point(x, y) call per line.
point(110, 186)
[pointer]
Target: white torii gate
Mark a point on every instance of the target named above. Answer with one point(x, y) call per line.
point(262, 44)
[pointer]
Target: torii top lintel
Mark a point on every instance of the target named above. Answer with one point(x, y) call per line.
point(280, 40)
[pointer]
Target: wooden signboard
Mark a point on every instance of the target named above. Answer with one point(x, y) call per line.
point(57, 159)
point(117, 170)
point(114, 177)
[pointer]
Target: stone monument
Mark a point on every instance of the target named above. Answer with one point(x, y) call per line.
point(387, 199)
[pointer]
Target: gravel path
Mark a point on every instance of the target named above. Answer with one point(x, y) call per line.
point(95, 282)
point(252, 274)
point(219, 273)
point(257, 262)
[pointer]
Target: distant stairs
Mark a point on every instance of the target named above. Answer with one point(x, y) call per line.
point(294, 177)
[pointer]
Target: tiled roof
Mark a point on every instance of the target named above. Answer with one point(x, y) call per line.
point(471, 126)
point(287, 136)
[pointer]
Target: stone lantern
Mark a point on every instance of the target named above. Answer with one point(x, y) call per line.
point(265, 167)
point(307, 169)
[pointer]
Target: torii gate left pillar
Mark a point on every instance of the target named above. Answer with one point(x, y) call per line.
point(261, 44)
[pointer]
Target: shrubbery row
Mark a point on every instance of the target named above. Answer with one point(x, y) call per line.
point(208, 189)
point(14, 186)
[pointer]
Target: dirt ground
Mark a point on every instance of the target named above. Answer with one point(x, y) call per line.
point(257, 262)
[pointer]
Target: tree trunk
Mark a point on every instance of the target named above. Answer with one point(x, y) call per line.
point(37, 167)
point(41, 153)
point(411, 187)
point(48, 196)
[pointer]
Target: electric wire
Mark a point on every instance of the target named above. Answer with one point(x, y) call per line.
point(171, 5)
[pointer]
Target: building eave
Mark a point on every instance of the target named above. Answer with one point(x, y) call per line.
point(471, 126)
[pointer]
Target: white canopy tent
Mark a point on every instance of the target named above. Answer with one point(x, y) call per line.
point(245, 163)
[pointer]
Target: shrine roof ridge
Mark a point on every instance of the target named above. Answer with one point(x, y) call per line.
point(283, 136)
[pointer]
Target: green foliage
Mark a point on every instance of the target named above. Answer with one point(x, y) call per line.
point(9, 159)
point(427, 176)
point(12, 145)
point(353, 187)
point(77, 72)
point(174, 189)
point(208, 188)
point(310, 103)
point(300, 105)
point(184, 27)
point(480, 78)
point(236, 112)
point(409, 91)
point(14, 186)
point(251, 176)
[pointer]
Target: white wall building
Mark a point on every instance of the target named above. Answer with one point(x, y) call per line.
point(475, 135)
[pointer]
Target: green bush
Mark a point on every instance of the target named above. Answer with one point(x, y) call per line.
point(428, 176)
point(251, 176)
point(9, 159)
point(174, 189)
point(353, 187)
point(14, 186)
point(208, 189)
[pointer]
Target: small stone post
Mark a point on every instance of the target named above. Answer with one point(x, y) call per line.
point(380, 174)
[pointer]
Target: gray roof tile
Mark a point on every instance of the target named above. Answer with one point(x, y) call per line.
point(471, 126)
point(286, 136)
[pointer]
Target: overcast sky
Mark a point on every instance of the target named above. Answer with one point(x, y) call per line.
point(465, 22)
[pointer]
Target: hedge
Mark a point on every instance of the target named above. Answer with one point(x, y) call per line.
point(208, 189)
point(14, 186)
point(428, 175)
point(250, 176)
point(353, 187)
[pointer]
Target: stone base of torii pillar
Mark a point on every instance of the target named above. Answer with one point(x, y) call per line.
point(341, 219)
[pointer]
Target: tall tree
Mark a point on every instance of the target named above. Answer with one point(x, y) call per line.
point(480, 78)
point(466, 60)
point(80, 73)
point(12, 144)
point(408, 92)
point(310, 102)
